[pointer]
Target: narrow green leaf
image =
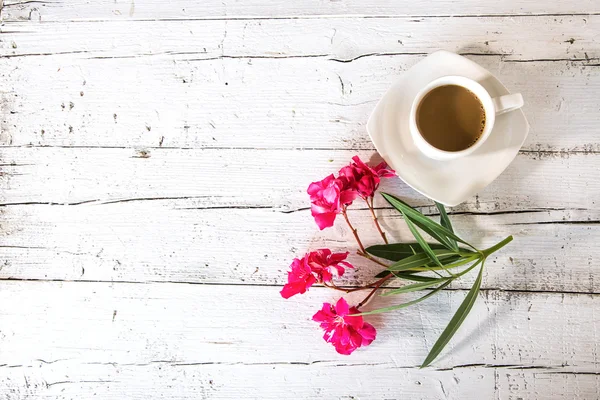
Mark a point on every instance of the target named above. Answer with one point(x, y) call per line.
point(432, 266)
point(422, 242)
point(497, 246)
point(419, 260)
point(407, 304)
point(449, 262)
point(409, 276)
point(431, 227)
point(414, 287)
point(456, 320)
point(419, 221)
point(398, 251)
point(415, 252)
point(445, 222)
point(413, 277)
point(467, 270)
point(383, 273)
point(425, 247)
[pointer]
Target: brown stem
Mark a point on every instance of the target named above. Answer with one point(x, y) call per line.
point(333, 286)
point(353, 229)
point(372, 209)
point(370, 257)
point(377, 286)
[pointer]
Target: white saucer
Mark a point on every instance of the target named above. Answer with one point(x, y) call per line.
point(448, 182)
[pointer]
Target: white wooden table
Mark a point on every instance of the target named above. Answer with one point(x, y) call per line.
point(153, 168)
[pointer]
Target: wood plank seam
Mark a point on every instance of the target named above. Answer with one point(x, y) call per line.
point(535, 152)
point(308, 17)
point(486, 290)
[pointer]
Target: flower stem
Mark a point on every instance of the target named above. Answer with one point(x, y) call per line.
point(370, 257)
point(332, 285)
point(497, 246)
point(372, 209)
point(377, 286)
point(353, 229)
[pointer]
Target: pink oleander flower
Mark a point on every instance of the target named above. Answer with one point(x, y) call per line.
point(327, 264)
point(344, 332)
point(300, 278)
point(328, 198)
point(366, 179)
point(315, 267)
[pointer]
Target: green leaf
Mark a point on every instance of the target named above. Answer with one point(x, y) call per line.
point(445, 222)
point(452, 261)
point(497, 246)
point(467, 270)
point(419, 260)
point(418, 219)
point(414, 287)
point(398, 251)
point(432, 266)
point(410, 303)
point(414, 277)
point(431, 227)
point(383, 273)
point(409, 276)
point(456, 320)
point(422, 242)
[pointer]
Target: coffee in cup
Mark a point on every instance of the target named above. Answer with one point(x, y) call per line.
point(452, 116)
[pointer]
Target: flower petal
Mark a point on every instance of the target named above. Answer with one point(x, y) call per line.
point(324, 314)
point(325, 220)
point(368, 333)
point(293, 288)
point(341, 307)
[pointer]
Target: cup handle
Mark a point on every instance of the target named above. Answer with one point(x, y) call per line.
point(509, 102)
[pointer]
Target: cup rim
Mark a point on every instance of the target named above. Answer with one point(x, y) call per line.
point(469, 84)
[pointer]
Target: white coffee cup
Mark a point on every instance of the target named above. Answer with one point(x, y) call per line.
point(491, 106)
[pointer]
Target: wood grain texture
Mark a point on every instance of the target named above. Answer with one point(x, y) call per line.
point(172, 380)
point(515, 38)
point(195, 320)
point(92, 90)
point(221, 177)
point(153, 165)
point(76, 10)
point(203, 341)
point(173, 241)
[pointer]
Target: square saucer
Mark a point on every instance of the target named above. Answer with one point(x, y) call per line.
point(447, 182)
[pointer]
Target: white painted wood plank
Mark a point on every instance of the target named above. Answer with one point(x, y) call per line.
point(211, 85)
point(229, 324)
point(167, 240)
point(153, 9)
point(328, 380)
point(269, 381)
point(259, 178)
point(139, 339)
point(515, 38)
point(282, 103)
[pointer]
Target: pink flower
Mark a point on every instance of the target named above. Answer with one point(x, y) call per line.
point(366, 179)
point(315, 267)
point(300, 278)
point(344, 332)
point(327, 199)
point(326, 264)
